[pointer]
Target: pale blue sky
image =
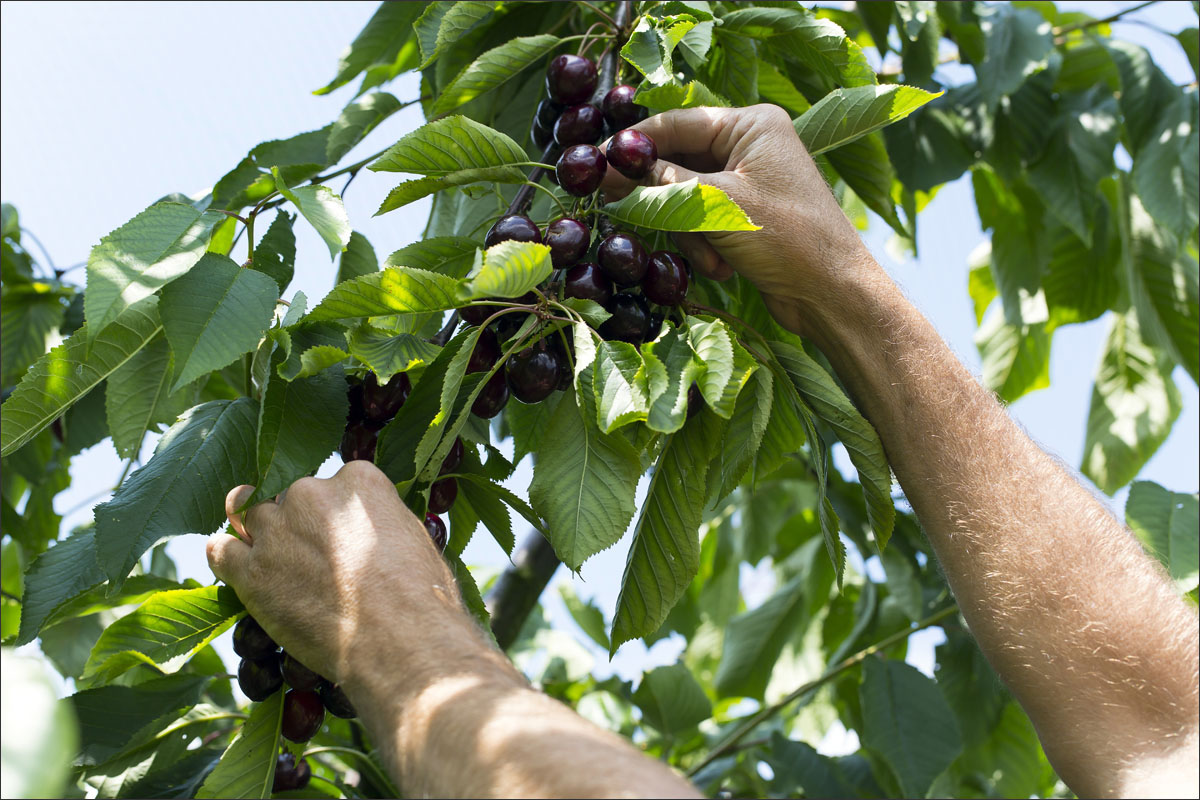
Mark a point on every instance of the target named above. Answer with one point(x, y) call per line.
point(108, 106)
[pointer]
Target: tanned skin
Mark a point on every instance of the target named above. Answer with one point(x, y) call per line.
point(1082, 626)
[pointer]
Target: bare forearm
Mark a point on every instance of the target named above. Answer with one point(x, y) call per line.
point(1075, 618)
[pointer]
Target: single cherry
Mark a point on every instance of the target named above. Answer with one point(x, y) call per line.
point(547, 113)
point(666, 279)
point(297, 675)
point(336, 702)
point(587, 282)
point(492, 398)
point(437, 531)
point(630, 318)
point(303, 714)
point(532, 374)
point(570, 79)
point(632, 153)
point(656, 323)
point(695, 401)
point(581, 124)
point(513, 228)
point(358, 442)
point(260, 678)
point(477, 314)
point(565, 376)
point(619, 109)
point(442, 495)
point(486, 352)
point(623, 259)
point(251, 641)
point(541, 136)
point(354, 393)
point(580, 169)
point(568, 240)
point(290, 776)
point(380, 403)
point(454, 458)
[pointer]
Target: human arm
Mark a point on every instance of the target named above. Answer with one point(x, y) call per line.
point(345, 578)
point(1077, 620)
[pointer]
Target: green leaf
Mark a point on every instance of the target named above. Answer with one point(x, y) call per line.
point(300, 423)
point(30, 315)
point(1189, 40)
point(1146, 93)
point(247, 769)
point(1019, 42)
point(322, 208)
point(980, 285)
point(865, 167)
point(671, 367)
point(686, 206)
point(314, 346)
point(396, 290)
point(164, 631)
point(182, 488)
point(136, 591)
point(138, 398)
point(1166, 523)
point(589, 618)
point(820, 44)
point(453, 22)
point(275, 253)
point(907, 721)
point(727, 366)
point(693, 94)
point(55, 577)
point(298, 158)
point(485, 501)
point(1166, 172)
point(449, 255)
point(619, 382)
point(379, 41)
point(650, 46)
point(775, 87)
point(1019, 246)
point(508, 269)
point(493, 69)
point(732, 69)
point(1134, 404)
point(665, 554)
point(584, 491)
point(140, 257)
point(387, 354)
point(671, 700)
point(798, 765)
point(63, 376)
point(1016, 358)
point(844, 115)
point(356, 121)
point(357, 259)
point(214, 314)
point(1081, 282)
point(744, 436)
point(852, 429)
point(110, 716)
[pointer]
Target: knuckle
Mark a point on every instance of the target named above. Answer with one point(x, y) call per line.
point(773, 114)
point(304, 488)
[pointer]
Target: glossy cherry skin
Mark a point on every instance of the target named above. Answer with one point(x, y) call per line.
point(568, 240)
point(454, 458)
point(655, 328)
point(303, 715)
point(565, 376)
point(623, 259)
point(477, 314)
point(619, 109)
point(297, 675)
point(632, 153)
point(587, 282)
point(251, 641)
point(380, 403)
point(336, 702)
point(290, 776)
point(630, 318)
point(437, 531)
point(486, 352)
point(493, 398)
point(532, 374)
point(666, 279)
point(358, 442)
point(580, 169)
point(571, 79)
point(442, 495)
point(547, 113)
point(581, 124)
point(513, 228)
point(259, 678)
point(540, 135)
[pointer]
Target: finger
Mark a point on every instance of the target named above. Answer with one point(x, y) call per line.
point(703, 257)
point(252, 519)
point(693, 132)
point(227, 557)
point(663, 173)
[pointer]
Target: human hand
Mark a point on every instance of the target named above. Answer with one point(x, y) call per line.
point(808, 257)
point(342, 575)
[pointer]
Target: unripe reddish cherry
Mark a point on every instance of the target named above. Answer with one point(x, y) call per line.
point(580, 169)
point(303, 715)
point(492, 398)
point(297, 675)
point(570, 79)
point(623, 259)
point(587, 282)
point(289, 775)
point(533, 373)
point(514, 228)
point(251, 641)
point(619, 109)
point(336, 702)
point(568, 240)
point(632, 153)
point(630, 318)
point(581, 124)
point(437, 530)
point(666, 280)
point(442, 495)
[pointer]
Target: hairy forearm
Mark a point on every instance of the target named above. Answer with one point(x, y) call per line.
point(1081, 625)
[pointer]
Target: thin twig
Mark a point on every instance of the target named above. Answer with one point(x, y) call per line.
point(600, 13)
point(45, 252)
point(1092, 23)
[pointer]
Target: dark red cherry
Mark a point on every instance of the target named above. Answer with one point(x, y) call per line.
point(358, 442)
point(486, 352)
point(493, 397)
point(623, 259)
point(539, 135)
point(632, 153)
point(297, 675)
point(565, 375)
point(354, 394)
point(619, 109)
point(655, 328)
point(442, 495)
point(259, 678)
point(251, 641)
point(570, 79)
point(513, 228)
point(336, 702)
point(437, 531)
point(532, 374)
point(290, 776)
point(380, 403)
point(587, 282)
point(666, 279)
point(695, 400)
point(568, 240)
point(581, 124)
point(547, 113)
point(580, 169)
point(454, 458)
point(303, 714)
point(477, 314)
point(630, 318)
